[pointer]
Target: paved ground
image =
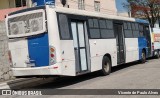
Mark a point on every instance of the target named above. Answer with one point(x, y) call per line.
point(128, 76)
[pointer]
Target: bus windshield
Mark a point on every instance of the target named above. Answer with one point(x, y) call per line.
point(26, 23)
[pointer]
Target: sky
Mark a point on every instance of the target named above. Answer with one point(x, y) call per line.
point(119, 5)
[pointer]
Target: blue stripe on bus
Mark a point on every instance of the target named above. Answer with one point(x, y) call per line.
point(38, 47)
point(141, 21)
point(142, 44)
point(42, 2)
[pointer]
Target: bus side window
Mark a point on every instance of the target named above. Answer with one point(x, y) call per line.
point(90, 22)
point(64, 27)
point(128, 30)
point(129, 26)
point(125, 25)
point(147, 32)
point(109, 24)
point(94, 32)
point(141, 30)
point(102, 24)
point(136, 30)
point(106, 29)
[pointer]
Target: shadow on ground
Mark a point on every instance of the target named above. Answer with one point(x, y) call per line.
point(67, 81)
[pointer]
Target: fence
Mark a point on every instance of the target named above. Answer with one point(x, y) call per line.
point(5, 72)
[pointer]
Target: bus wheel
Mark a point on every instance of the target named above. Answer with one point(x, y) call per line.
point(143, 57)
point(106, 66)
point(158, 54)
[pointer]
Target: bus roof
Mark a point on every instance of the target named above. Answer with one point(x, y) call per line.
point(83, 13)
point(93, 14)
point(26, 9)
point(141, 21)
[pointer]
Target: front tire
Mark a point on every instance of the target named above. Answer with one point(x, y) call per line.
point(143, 57)
point(158, 54)
point(106, 66)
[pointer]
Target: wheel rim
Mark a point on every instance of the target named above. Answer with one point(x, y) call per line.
point(106, 66)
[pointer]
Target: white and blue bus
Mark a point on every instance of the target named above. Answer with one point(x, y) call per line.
point(55, 41)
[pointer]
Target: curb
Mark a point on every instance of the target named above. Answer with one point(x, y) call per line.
point(24, 83)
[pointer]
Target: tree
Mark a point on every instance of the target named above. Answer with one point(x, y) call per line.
point(149, 9)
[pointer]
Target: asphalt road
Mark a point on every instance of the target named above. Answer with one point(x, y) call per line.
point(127, 76)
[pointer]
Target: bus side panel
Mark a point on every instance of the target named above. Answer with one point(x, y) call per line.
point(142, 44)
point(68, 58)
point(64, 48)
point(39, 50)
point(132, 52)
point(100, 47)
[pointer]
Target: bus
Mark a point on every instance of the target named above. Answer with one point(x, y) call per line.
point(156, 42)
point(56, 41)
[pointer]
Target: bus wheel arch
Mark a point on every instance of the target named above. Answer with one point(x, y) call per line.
point(109, 56)
point(106, 65)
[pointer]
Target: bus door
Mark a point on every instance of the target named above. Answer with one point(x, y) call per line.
point(118, 29)
point(81, 48)
point(148, 38)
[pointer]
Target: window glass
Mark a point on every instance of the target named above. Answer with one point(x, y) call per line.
point(20, 3)
point(128, 33)
point(100, 28)
point(90, 22)
point(95, 21)
point(97, 6)
point(64, 28)
point(141, 33)
point(125, 25)
point(81, 5)
point(136, 26)
point(141, 27)
point(133, 26)
point(94, 33)
point(129, 25)
point(136, 34)
point(74, 33)
point(102, 23)
point(109, 24)
point(107, 33)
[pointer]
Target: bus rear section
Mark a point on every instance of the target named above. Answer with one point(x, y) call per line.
point(29, 49)
point(156, 42)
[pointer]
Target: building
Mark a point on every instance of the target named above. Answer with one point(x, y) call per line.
point(102, 6)
point(5, 4)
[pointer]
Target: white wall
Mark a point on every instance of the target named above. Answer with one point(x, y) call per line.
point(5, 72)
